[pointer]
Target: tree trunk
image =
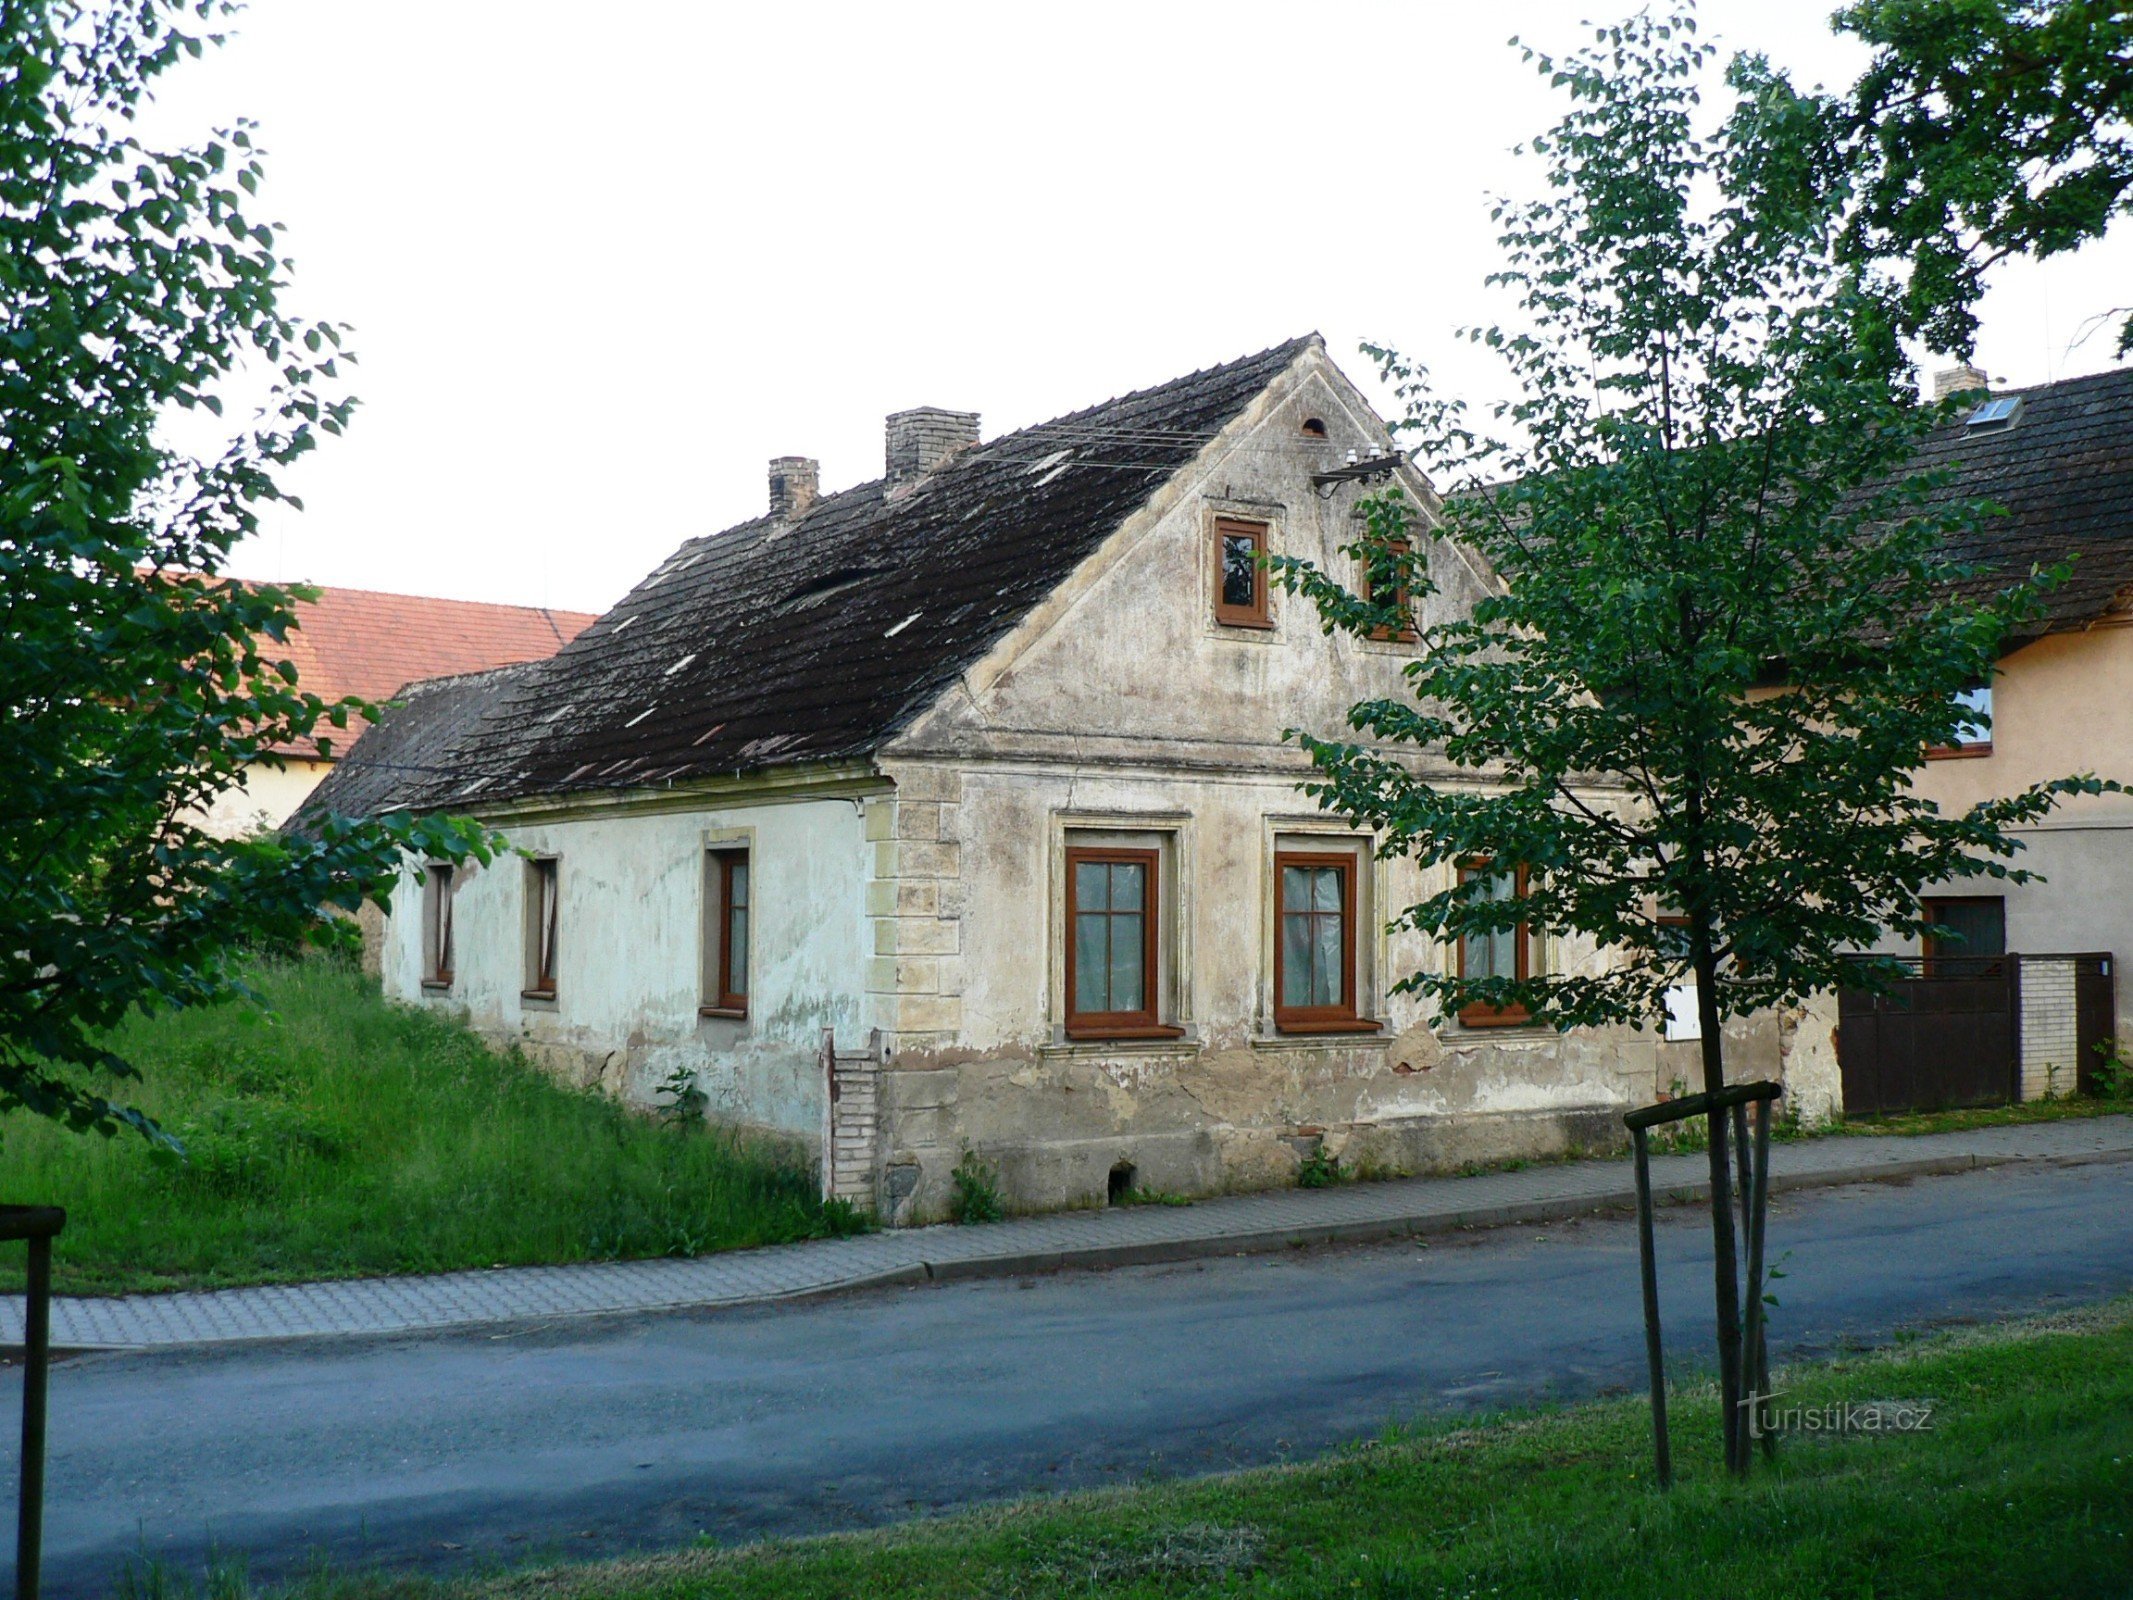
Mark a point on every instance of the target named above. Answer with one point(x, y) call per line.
point(1725, 1265)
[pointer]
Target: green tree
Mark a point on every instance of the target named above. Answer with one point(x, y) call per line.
point(1981, 129)
point(1731, 619)
point(138, 685)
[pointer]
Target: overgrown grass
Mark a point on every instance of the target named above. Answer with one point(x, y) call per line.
point(344, 1136)
point(2024, 1487)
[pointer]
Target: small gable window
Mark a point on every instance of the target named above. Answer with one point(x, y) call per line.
point(1974, 736)
point(1385, 586)
point(1240, 574)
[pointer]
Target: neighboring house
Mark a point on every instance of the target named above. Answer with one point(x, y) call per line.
point(2059, 459)
point(359, 642)
point(980, 770)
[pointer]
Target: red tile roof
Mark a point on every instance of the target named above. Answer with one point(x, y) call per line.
point(362, 642)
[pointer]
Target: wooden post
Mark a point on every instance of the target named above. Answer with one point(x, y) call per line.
point(1745, 1363)
point(1758, 1333)
point(1647, 1257)
point(36, 1226)
point(828, 1058)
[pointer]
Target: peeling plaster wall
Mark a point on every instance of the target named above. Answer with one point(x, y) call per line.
point(1122, 706)
point(629, 951)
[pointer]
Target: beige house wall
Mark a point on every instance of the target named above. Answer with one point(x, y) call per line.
point(2062, 705)
point(266, 798)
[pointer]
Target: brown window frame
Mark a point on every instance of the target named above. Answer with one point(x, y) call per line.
point(1930, 909)
point(1146, 1023)
point(1402, 599)
point(438, 884)
point(541, 953)
point(1346, 1017)
point(722, 998)
point(1259, 614)
point(1971, 749)
point(1485, 1016)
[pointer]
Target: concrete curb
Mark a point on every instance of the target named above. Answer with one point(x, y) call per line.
point(1102, 1257)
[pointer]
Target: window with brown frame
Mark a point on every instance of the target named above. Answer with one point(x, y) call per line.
point(543, 895)
point(1315, 969)
point(1398, 599)
point(1505, 953)
point(1974, 737)
point(728, 908)
point(437, 886)
point(1113, 944)
point(1240, 550)
point(1979, 925)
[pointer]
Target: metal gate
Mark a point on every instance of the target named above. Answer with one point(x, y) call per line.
point(1945, 1036)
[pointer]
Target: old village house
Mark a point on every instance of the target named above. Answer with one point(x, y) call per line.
point(978, 770)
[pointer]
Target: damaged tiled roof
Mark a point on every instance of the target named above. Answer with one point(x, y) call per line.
point(362, 642)
point(409, 744)
point(816, 639)
point(2063, 471)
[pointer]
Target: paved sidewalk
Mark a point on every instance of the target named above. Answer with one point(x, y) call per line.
point(1127, 1236)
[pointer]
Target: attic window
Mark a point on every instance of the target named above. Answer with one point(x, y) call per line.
point(1314, 427)
point(1995, 414)
point(1240, 574)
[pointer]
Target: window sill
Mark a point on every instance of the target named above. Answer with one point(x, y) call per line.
point(1375, 1039)
point(1330, 1025)
point(1966, 752)
point(1123, 1033)
point(436, 985)
point(1246, 624)
point(729, 1013)
point(539, 999)
point(1527, 1032)
point(1173, 1044)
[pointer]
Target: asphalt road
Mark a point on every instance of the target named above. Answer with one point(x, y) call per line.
point(596, 1438)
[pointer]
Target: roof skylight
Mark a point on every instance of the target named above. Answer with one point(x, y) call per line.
point(1995, 413)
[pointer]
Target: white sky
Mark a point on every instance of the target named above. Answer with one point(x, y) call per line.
point(604, 262)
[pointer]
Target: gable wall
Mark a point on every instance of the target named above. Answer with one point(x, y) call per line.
point(1123, 707)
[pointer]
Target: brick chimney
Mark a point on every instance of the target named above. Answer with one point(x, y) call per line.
point(794, 481)
point(1959, 380)
point(920, 440)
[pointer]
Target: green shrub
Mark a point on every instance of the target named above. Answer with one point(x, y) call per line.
point(977, 1191)
point(1318, 1170)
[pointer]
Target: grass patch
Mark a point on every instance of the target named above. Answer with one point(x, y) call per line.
point(344, 1136)
point(2069, 1108)
point(2023, 1488)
